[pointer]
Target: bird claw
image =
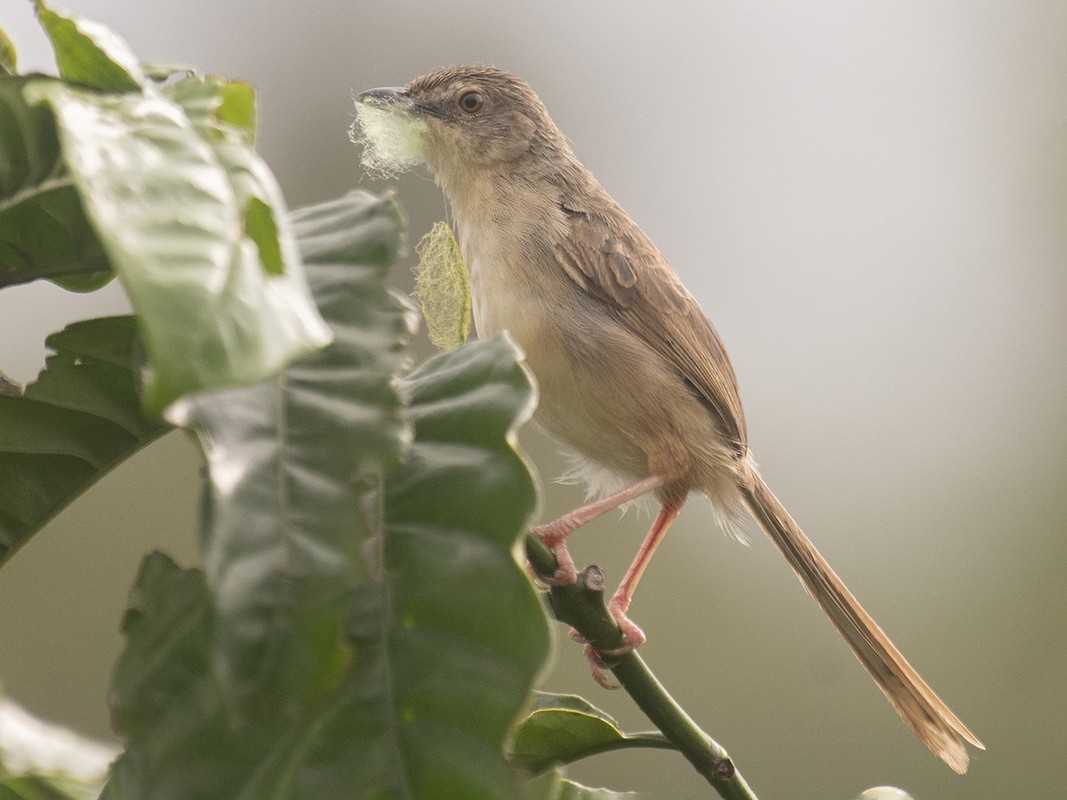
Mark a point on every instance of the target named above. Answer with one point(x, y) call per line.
point(602, 660)
point(599, 668)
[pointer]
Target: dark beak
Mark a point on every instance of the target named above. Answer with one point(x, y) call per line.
point(386, 96)
point(397, 97)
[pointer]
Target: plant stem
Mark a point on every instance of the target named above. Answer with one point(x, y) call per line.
point(582, 605)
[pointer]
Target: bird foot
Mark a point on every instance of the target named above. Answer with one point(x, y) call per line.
point(602, 660)
point(553, 536)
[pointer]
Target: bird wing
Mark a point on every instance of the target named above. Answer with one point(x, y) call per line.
point(610, 257)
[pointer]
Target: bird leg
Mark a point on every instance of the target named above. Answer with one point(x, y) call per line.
point(632, 635)
point(554, 534)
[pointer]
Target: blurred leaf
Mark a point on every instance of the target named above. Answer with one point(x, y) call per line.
point(215, 104)
point(170, 210)
point(8, 55)
point(88, 53)
point(238, 107)
point(9, 387)
point(553, 786)
point(79, 419)
point(43, 229)
point(560, 729)
point(289, 462)
point(575, 791)
point(42, 761)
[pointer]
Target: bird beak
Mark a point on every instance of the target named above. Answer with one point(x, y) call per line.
point(396, 98)
point(386, 96)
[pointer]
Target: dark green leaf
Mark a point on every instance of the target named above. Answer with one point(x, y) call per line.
point(290, 462)
point(75, 423)
point(446, 633)
point(170, 210)
point(163, 696)
point(43, 229)
point(451, 635)
point(561, 729)
point(88, 53)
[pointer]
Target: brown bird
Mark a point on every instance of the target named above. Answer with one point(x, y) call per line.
point(632, 376)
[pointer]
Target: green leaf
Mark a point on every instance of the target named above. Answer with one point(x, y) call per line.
point(216, 105)
point(238, 107)
point(43, 229)
point(75, 423)
point(560, 729)
point(446, 633)
point(290, 462)
point(163, 697)
point(170, 209)
point(89, 53)
point(460, 630)
point(8, 55)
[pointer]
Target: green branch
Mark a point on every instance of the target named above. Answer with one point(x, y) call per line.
point(582, 606)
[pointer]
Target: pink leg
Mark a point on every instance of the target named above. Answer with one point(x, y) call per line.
point(632, 635)
point(554, 534)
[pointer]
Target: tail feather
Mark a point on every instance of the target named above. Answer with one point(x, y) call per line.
point(922, 710)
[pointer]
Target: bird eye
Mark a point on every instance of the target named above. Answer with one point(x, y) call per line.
point(472, 101)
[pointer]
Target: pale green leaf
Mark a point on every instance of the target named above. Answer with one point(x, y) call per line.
point(89, 53)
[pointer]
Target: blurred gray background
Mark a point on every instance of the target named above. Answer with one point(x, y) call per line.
point(870, 201)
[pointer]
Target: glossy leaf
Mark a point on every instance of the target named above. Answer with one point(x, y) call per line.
point(83, 417)
point(464, 635)
point(79, 419)
point(170, 209)
point(445, 632)
point(290, 461)
point(560, 729)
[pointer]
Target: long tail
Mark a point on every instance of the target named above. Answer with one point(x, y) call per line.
point(922, 710)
